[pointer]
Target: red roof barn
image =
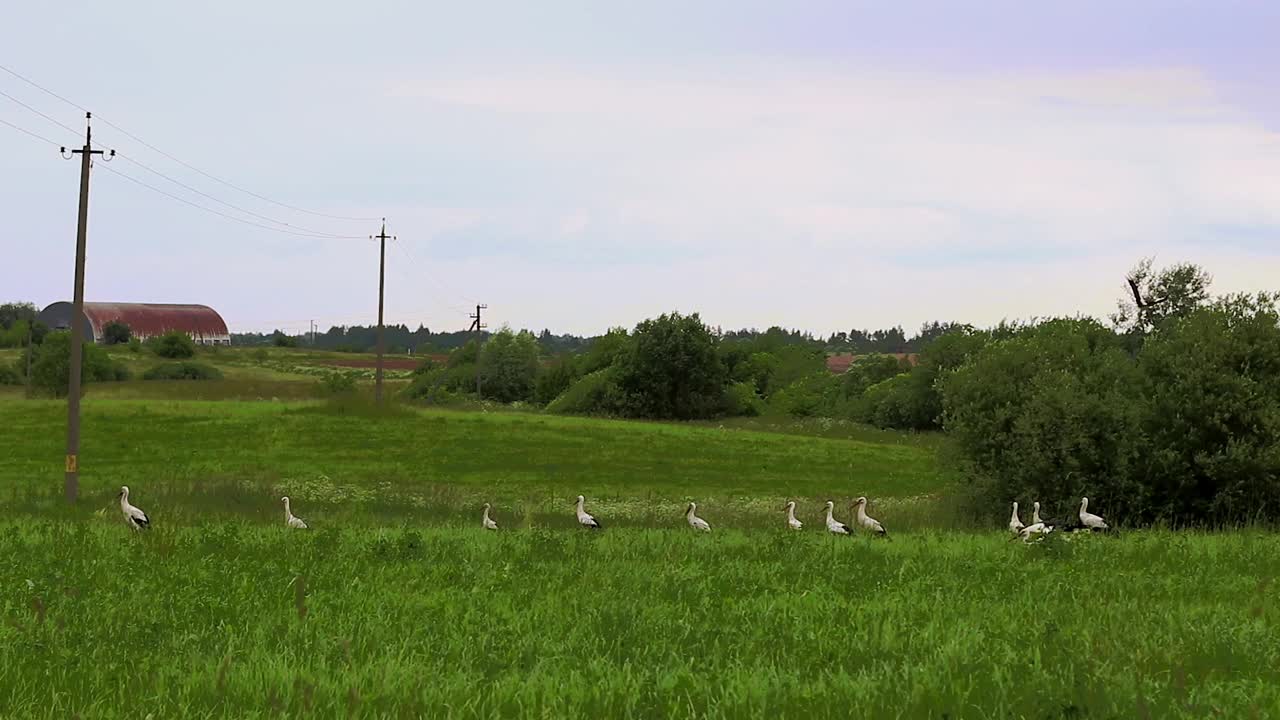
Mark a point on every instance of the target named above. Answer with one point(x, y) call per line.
point(145, 320)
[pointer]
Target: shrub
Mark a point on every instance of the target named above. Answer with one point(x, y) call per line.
point(671, 369)
point(116, 333)
point(279, 339)
point(903, 402)
point(740, 399)
point(595, 393)
point(1049, 414)
point(337, 384)
point(509, 366)
point(260, 355)
point(553, 380)
point(811, 396)
point(182, 371)
point(174, 345)
point(1210, 432)
point(10, 375)
point(51, 365)
point(135, 345)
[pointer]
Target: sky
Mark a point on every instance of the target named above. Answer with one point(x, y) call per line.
point(818, 164)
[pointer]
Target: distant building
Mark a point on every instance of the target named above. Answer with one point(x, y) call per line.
point(145, 320)
point(840, 362)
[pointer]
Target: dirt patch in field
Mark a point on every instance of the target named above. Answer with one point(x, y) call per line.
point(388, 363)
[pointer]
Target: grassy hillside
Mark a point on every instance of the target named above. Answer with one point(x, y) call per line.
point(194, 459)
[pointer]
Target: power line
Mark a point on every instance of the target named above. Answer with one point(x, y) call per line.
point(227, 204)
point(28, 132)
point(225, 215)
point(155, 149)
point(55, 121)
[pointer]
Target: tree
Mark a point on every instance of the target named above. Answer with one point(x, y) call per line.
point(51, 365)
point(1153, 296)
point(175, 345)
point(671, 369)
point(1211, 413)
point(1049, 414)
point(13, 312)
point(509, 366)
point(279, 339)
point(116, 333)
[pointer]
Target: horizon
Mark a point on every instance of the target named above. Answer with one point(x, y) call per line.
point(823, 166)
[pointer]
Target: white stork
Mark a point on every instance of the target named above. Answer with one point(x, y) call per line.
point(867, 522)
point(1035, 513)
point(289, 519)
point(833, 525)
point(792, 522)
point(1088, 519)
point(1015, 525)
point(1036, 530)
point(487, 523)
point(696, 522)
point(136, 519)
point(584, 518)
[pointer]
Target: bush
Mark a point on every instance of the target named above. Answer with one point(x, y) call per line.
point(174, 345)
point(509, 366)
point(671, 370)
point(903, 402)
point(116, 333)
point(10, 376)
point(182, 371)
point(260, 355)
point(740, 400)
point(337, 384)
point(135, 345)
point(51, 365)
point(1210, 432)
point(1049, 414)
point(595, 393)
point(279, 339)
point(553, 380)
point(814, 395)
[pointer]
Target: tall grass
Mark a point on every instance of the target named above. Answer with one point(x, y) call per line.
point(228, 619)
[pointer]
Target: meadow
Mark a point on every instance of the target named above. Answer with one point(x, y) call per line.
point(396, 604)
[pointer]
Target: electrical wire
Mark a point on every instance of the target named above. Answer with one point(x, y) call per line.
point(155, 149)
point(28, 132)
point(225, 215)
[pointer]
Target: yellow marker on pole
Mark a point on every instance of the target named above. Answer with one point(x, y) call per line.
point(73, 464)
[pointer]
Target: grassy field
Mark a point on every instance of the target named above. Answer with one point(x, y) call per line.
point(396, 604)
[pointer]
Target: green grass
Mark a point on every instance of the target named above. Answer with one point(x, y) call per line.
point(230, 619)
point(396, 604)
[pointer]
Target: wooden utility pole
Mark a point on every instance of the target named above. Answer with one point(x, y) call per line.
point(72, 483)
point(382, 238)
point(477, 326)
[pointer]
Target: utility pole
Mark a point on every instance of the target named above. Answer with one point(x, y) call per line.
point(31, 327)
point(382, 239)
point(477, 326)
point(313, 333)
point(72, 483)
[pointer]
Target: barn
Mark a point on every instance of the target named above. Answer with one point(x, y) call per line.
point(145, 320)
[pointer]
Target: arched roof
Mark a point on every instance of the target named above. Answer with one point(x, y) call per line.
point(147, 320)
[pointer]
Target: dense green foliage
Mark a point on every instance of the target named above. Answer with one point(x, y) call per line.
point(51, 365)
point(182, 371)
point(508, 366)
point(9, 375)
point(116, 333)
point(173, 345)
point(671, 370)
point(18, 325)
point(1185, 430)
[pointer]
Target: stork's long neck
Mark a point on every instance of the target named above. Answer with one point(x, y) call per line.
point(1035, 514)
point(288, 514)
point(862, 512)
point(689, 512)
point(791, 512)
point(829, 518)
point(486, 512)
point(580, 510)
point(1014, 517)
point(1084, 506)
